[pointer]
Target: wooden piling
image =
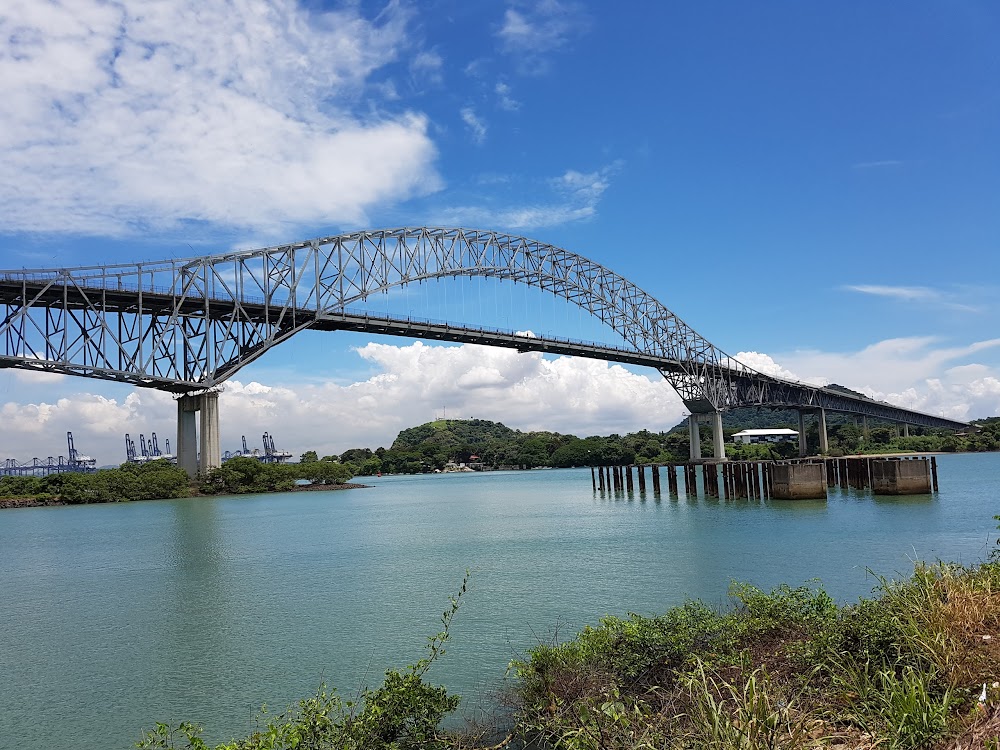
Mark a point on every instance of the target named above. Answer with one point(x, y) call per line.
point(593, 478)
point(934, 483)
point(628, 478)
point(655, 471)
point(672, 480)
point(642, 477)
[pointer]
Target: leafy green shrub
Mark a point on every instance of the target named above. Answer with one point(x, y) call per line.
point(321, 472)
point(762, 615)
point(867, 630)
point(244, 474)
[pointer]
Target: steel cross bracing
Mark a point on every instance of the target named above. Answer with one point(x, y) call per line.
point(187, 325)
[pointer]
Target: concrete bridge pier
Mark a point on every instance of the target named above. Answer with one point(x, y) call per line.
point(187, 434)
point(824, 442)
point(694, 436)
point(194, 438)
point(718, 436)
point(906, 429)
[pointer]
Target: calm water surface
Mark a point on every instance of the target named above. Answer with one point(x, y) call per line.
point(116, 616)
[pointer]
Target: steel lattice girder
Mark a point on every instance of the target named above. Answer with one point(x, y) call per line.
point(186, 325)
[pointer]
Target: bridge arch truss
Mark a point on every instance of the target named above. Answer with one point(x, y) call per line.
point(187, 325)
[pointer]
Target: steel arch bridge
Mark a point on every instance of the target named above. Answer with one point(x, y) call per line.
point(187, 325)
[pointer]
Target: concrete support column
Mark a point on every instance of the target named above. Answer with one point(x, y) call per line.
point(824, 443)
point(802, 434)
point(718, 436)
point(187, 434)
point(864, 426)
point(211, 446)
point(694, 435)
point(906, 429)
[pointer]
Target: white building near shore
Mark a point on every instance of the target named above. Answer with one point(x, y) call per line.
point(775, 435)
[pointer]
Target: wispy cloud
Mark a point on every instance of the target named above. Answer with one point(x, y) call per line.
point(573, 196)
point(504, 98)
point(119, 117)
point(876, 164)
point(427, 65)
point(476, 126)
point(917, 294)
point(896, 292)
point(531, 31)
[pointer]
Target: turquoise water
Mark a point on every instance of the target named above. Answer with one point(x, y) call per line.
point(116, 616)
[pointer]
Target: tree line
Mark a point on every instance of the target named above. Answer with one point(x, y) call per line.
point(492, 445)
point(161, 479)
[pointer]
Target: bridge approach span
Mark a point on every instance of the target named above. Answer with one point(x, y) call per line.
point(186, 325)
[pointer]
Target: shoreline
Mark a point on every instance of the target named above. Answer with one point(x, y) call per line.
point(10, 503)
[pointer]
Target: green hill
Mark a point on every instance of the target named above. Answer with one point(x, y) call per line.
point(454, 434)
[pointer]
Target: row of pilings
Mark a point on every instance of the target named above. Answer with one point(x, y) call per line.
point(766, 479)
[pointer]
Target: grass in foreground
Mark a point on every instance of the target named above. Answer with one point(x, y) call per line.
point(915, 667)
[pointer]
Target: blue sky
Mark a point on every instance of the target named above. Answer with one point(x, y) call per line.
point(812, 186)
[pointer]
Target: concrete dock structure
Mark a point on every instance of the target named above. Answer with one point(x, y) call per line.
point(901, 477)
point(798, 481)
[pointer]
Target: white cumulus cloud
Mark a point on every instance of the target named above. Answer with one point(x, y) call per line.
point(415, 383)
point(120, 116)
